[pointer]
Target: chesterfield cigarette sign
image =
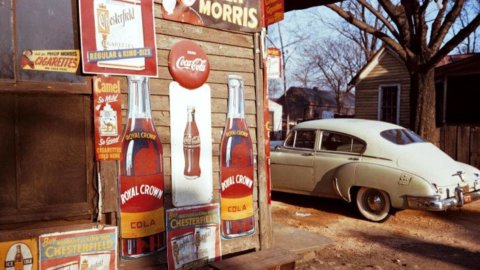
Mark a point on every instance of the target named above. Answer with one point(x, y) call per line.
point(118, 37)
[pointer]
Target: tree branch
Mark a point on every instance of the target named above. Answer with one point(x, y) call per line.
point(438, 20)
point(399, 18)
point(366, 27)
point(379, 16)
point(436, 42)
point(453, 42)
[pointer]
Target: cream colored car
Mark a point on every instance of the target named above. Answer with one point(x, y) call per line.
point(377, 166)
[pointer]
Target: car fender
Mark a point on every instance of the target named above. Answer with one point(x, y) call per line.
point(344, 179)
point(397, 183)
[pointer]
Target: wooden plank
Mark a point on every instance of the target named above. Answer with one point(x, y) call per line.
point(475, 147)
point(196, 33)
point(450, 141)
point(265, 259)
point(47, 87)
point(222, 63)
point(166, 43)
point(34, 230)
point(463, 144)
point(215, 76)
point(265, 223)
point(218, 90)
point(109, 181)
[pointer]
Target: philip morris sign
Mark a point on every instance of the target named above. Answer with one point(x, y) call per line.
point(238, 15)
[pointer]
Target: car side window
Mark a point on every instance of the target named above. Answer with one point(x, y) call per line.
point(305, 139)
point(301, 139)
point(332, 141)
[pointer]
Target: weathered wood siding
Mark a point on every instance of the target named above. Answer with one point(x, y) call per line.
point(462, 143)
point(228, 53)
point(389, 70)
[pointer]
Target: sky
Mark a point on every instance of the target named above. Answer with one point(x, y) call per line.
point(306, 22)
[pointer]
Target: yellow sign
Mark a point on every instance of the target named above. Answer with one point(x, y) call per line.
point(51, 60)
point(236, 208)
point(142, 224)
point(19, 254)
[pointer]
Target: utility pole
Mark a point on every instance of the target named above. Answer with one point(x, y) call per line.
point(285, 103)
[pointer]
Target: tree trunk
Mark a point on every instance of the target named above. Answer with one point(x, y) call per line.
point(422, 85)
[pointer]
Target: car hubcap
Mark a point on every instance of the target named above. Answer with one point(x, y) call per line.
point(375, 202)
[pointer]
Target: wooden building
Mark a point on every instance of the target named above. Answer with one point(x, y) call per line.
point(458, 113)
point(382, 89)
point(303, 104)
point(382, 93)
point(49, 179)
point(48, 175)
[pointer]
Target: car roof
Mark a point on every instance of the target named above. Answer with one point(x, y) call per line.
point(352, 126)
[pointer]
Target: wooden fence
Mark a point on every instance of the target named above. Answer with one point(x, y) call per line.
point(462, 143)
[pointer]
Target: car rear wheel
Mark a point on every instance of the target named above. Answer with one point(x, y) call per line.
point(373, 204)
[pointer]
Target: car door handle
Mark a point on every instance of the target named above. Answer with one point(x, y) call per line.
point(353, 158)
point(307, 154)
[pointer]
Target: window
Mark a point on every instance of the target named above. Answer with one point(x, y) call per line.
point(389, 103)
point(332, 141)
point(462, 100)
point(401, 136)
point(6, 42)
point(47, 157)
point(46, 151)
point(301, 139)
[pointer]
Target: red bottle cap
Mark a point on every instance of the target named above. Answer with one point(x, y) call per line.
point(188, 64)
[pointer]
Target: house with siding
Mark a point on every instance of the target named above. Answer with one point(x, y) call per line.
point(312, 103)
point(382, 89)
point(382, 93)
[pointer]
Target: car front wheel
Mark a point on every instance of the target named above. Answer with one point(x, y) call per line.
point(373, 204)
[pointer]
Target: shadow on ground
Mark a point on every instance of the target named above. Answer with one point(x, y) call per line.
point(440, 252)
point(323, 204)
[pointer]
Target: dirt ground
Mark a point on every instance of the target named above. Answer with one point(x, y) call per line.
point(409, 239)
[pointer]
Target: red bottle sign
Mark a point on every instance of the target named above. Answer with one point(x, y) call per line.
point(188, 64)
point(191, 147)
point(142, 229)
point(236, 172)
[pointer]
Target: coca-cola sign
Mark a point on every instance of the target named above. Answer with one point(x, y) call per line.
point(188, 64)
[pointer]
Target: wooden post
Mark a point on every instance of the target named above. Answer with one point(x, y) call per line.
point(265, 222)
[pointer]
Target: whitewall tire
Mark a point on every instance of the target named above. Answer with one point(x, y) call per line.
point(373, 204)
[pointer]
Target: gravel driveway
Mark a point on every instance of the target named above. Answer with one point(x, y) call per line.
point(408, 240)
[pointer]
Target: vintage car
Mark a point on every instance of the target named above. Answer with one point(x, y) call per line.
point(377, 166)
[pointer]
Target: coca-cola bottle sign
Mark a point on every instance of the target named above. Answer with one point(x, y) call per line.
point(188, 64)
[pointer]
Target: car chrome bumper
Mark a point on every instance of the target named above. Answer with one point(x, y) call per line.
point(434, 203)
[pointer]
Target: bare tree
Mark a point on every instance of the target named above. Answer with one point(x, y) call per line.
point(472, 43)
point(332, 62)
point(287, 48)
point(419, 43)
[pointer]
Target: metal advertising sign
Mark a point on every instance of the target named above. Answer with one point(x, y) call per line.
point(19, 254)
point(51, 60)
point(274, 11)
point(274, 63)
point(188, 64)
point(238, 15)
point(193, 235)
point(84, 249)
point(108, 118)
point(191, 143)
point(118, 37)
point(237, 167)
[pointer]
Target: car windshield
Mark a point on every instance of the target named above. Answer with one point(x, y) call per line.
point(401, 136)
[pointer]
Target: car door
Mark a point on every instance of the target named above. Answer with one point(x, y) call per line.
point(336, 152)
point(292, 166)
